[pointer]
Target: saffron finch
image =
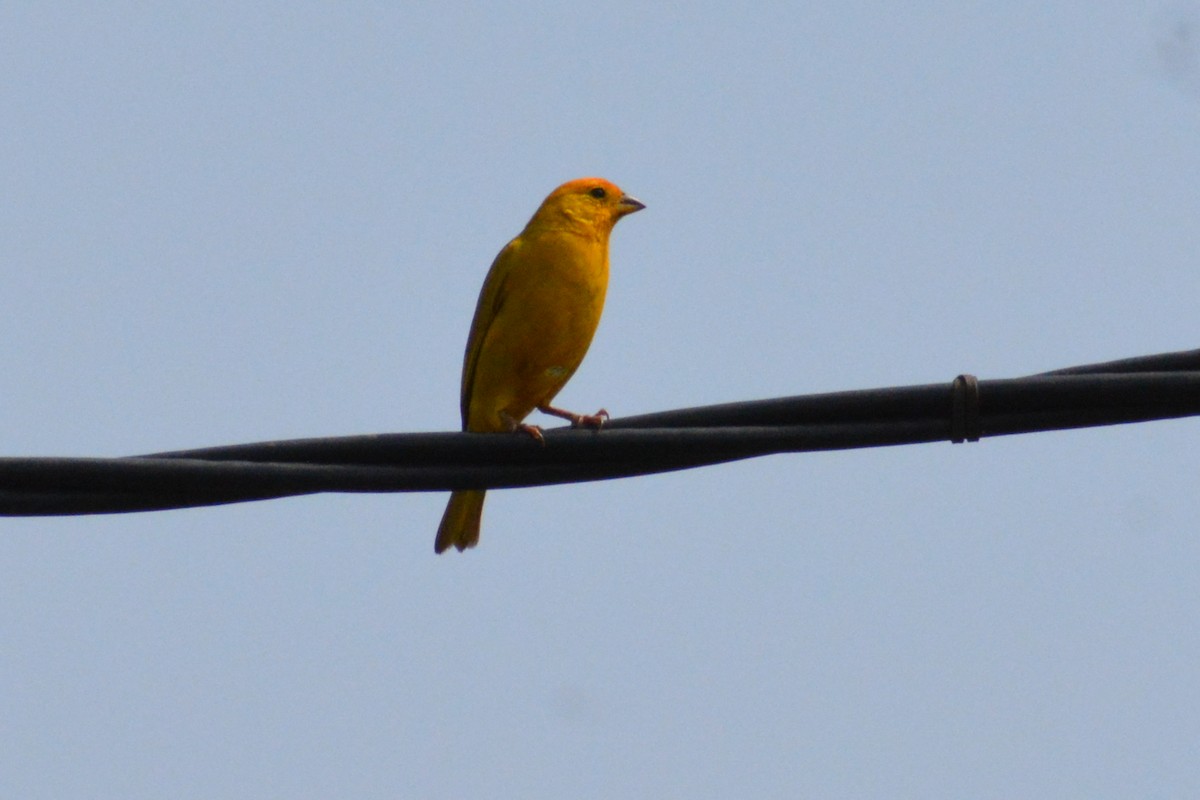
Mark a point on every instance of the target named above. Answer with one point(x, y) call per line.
point(538, 309)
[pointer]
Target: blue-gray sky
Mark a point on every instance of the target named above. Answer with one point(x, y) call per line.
point(223, 223)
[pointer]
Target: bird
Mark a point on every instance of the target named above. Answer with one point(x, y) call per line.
point(534, 321)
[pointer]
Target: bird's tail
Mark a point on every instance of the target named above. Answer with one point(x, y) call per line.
point(460, 523)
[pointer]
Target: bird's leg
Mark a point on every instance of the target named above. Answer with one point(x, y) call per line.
point(577, 420)
point(519, 427)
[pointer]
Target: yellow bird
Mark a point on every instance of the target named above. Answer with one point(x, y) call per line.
point(538, 309)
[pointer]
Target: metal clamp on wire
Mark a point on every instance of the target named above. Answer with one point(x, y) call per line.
point(965, 424)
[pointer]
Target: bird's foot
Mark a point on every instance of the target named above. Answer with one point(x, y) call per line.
point(594, 421)
point(529, 430)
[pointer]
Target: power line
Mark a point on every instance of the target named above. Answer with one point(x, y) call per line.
point(1131, 390)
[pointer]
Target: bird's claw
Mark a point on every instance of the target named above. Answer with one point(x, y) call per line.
point(531, 430)
point(515, 426)
point(595, 421)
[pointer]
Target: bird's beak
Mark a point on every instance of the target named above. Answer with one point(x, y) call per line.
point(628, 204)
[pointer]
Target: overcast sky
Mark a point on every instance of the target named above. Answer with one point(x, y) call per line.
point(225, 224)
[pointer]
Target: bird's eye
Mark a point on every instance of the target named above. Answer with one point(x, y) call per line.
point(598, 193)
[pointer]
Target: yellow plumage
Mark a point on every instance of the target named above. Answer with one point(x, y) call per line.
point(536, 315)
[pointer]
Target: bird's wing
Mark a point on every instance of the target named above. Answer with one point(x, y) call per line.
point(491, 299)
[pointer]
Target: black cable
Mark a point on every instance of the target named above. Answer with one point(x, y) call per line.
point(1131, 390)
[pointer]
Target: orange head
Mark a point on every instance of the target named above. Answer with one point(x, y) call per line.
point(587, 204)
